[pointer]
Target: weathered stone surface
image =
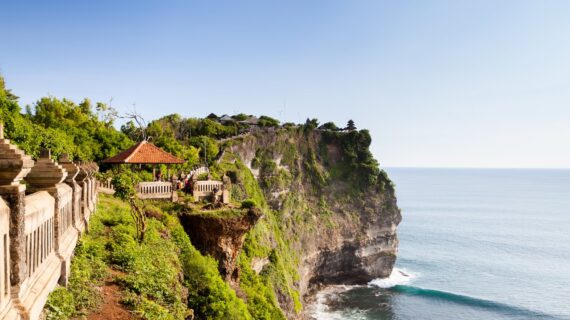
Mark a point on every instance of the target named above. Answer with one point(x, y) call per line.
point(14, 163)
point(46, 218)
point(358, 241)
point(71, 168)
point(81, 173)
point(221, 237)
point(46, 173)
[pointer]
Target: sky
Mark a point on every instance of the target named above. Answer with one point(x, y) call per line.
point(438, 83)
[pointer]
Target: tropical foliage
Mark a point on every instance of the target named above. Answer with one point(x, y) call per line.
point(84, 131)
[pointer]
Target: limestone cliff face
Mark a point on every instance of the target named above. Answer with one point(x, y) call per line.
point(221, 237)
point(337, 214)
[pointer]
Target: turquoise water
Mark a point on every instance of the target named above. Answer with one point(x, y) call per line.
point(474, 244)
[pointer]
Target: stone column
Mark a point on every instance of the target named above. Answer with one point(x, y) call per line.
point(90, 186)
point(193, 187)
point(48, 175)
point(81, 179)
point(14, 165)
point(95, 193)
point(226, 189)
point(72, 172)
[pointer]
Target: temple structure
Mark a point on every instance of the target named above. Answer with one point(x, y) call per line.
point(147, 153)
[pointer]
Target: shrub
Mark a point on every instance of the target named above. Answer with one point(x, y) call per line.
point(329, 126)
point(248, 204)
point(60, 305)
point(266, 121)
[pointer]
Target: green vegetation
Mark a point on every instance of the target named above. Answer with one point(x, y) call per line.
point(148, 273)
point(143, 249)
point(350, 125)
point(88, 270)
point(124, 184)
point(357, 164)
point(266, 121)
point(83, 131)
point(218, 213)
point(248, 203)
point(329, 126)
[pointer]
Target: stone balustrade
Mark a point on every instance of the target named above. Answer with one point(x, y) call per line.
point(206, 189)
point(198, 171)
point(105, 186)
point(155, 190)
point(207, 186)
point(39, 226)
point(7, 311)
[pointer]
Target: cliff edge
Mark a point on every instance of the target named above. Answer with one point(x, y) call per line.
point(330, 213)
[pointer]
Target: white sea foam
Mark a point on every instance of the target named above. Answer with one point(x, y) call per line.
point(320, 309)
point(397, 277)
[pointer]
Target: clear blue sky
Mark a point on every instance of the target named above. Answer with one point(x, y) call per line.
point(438, 83)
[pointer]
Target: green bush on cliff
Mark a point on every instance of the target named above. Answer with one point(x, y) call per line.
point(208, 295)
point(248, 204)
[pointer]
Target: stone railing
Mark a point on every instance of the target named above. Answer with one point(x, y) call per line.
point(205, 187)
point(7, 310)
point(105, 186)
point(155, 190)
point(198, 171)
point(211, 188)
point(39, 226)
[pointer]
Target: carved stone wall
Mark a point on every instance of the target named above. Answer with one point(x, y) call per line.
point(39, 226)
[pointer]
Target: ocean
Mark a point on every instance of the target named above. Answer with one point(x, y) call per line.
point(474, 244)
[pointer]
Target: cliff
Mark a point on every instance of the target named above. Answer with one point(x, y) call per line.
point(319, 211)
point(221, 237)
point(330, 214)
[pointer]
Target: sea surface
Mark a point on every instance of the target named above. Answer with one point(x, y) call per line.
point(474, 244)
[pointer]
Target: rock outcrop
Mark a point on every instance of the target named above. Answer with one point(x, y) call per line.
point(330, 215)
point(221, 237)
point(341, 230)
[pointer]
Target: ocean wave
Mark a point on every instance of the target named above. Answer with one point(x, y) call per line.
point(470, 301)
point(397, 277)
point(321, 310)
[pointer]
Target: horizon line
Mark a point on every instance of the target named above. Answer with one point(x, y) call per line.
point(478, 168)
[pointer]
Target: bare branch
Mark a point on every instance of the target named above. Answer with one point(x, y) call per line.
point(141, 123)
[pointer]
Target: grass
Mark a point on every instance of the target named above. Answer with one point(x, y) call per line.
point(163, 278)
point(220, 213)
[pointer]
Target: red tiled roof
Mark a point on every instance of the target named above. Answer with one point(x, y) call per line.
point(144, 152)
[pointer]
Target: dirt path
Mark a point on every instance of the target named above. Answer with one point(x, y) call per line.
point(111, 307)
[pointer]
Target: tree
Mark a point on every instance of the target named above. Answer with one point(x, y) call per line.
point(106, 114)
point(266, 121)
point(62, 126)
point(208, 147)
point(132, 131)
point(7, 93)
point(141, 123)
point(329, 126)
point(240, 117)
point(311, 123)
point(124, 185)
point(350, 125)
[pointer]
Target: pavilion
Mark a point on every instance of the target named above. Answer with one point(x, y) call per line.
point(144, 152)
